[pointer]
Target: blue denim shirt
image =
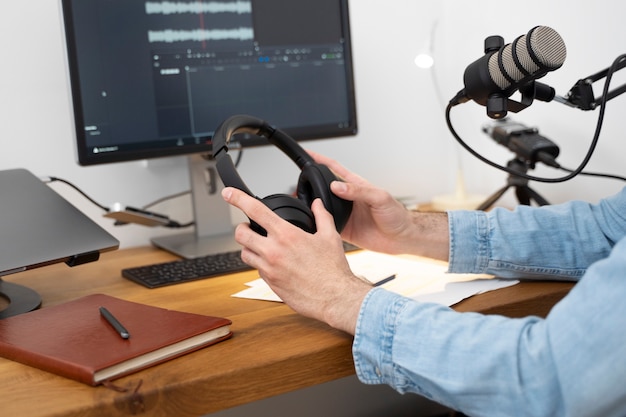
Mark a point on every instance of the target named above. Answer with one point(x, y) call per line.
point(573, 363)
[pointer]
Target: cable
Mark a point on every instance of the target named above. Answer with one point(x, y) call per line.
point(182, 193)
point(52, 179)
point(169, 197)
point(597, 174)
point(573, 173)
point(175, 225)
point(171, 224)
point(238, 160)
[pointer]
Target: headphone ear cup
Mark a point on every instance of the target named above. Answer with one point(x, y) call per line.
point(290, 209)
point(314, 182)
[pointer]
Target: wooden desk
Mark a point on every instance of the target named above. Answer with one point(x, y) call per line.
point(273, 350)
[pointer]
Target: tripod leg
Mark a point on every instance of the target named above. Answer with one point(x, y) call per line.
point(537, 197)
point(493, 198)
point(523, 195)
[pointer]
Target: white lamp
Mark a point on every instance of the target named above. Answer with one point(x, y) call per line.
point(424, 60)
point(460, 200)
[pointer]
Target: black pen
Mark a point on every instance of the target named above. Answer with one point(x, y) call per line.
point(385, 280)
point(110, 318)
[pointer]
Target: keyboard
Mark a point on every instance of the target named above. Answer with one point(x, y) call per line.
point(185, 270)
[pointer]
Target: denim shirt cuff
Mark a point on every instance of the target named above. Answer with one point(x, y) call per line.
point(469, 241)
point(373, 340)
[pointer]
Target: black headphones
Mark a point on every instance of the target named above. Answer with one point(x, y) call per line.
point(314, 181)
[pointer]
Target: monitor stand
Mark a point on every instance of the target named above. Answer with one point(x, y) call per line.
point(214, 230)
point(21, 299)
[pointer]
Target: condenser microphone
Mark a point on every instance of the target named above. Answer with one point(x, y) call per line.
point(505, 69)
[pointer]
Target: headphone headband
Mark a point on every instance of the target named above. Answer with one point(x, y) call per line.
point(314, 181)
point(254, 125)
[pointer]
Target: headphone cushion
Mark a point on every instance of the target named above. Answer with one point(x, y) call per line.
point(314, 182)
point(290, 209)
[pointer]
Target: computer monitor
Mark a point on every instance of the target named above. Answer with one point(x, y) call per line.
point(152, 78)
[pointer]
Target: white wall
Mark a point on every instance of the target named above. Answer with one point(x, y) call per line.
point(403, 144)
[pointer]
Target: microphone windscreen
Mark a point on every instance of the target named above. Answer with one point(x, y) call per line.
point(541, 50)
point(548, 47)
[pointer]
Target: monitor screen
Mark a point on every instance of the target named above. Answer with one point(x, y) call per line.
point(155, 78)
point(152, 78)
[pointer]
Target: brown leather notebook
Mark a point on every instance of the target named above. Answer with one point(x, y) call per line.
point(76, 341)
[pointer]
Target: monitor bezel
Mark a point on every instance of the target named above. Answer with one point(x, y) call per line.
point(85, 157)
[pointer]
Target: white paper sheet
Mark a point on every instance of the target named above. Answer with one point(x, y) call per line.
point(419, 278)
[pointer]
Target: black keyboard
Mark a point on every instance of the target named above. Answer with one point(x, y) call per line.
point(184, 270)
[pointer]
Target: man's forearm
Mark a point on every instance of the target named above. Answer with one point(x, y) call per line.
point(430, 236)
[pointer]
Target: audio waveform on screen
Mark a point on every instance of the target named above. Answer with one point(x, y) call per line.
point(198, 7)
point(200, 35)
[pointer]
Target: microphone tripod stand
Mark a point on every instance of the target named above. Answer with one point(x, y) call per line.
point(524, 193)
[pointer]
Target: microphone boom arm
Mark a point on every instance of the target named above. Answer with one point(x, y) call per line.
point(581, 94)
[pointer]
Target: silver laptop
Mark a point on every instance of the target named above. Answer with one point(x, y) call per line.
point(38, 227)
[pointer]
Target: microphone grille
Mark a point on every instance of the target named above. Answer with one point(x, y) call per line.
point(541, 50)
point(548, 47)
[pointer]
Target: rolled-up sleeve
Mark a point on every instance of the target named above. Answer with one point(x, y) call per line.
point(568, 364)
point(558, 241)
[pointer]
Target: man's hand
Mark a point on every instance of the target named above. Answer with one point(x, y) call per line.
point(309, 272)
point(381, 223)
